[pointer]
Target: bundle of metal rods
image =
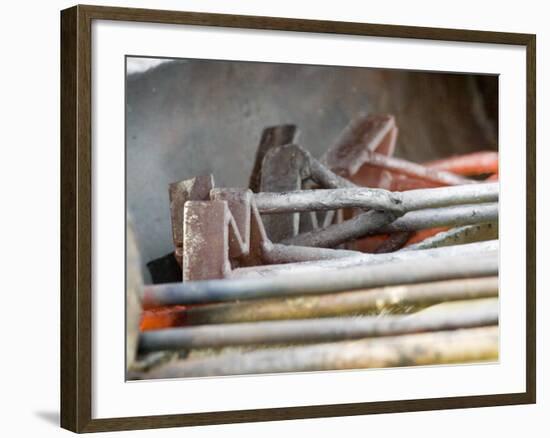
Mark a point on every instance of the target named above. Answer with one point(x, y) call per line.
point(354, 260)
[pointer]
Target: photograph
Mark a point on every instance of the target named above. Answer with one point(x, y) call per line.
point(288, 218)
point(272, 219)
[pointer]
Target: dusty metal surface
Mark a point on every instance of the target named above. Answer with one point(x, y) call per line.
point(271, 137)
point(471, 313)
point(192, 118)
point(226, 231)
point(459, 236)
point(202, 258)
point(453, 346)
point(309, 248)
point(193, 189)
point(329, 199)
point(321, 267)
point(392, 299)
point(364, 134)
point(217, 232)
point(346, 278)
point(283, 169)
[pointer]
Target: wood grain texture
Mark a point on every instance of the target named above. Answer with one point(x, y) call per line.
point(76, 186)
point(76, 223)
point(69, 320)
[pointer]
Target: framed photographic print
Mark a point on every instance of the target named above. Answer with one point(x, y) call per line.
point(269, 218)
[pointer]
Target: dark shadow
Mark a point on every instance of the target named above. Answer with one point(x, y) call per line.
point(51, 417)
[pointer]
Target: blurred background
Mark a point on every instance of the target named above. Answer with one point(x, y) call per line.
point(193, 117)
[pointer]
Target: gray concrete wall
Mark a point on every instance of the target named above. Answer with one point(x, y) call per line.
point(187, 118)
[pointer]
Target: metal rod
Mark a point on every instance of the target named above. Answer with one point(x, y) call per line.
point(328, 199)
point(397, 272)
point(466, 345)
point(446, 196)
point(474, 314)
point(447, 216)
point(374, 222)
point(320, 267)
point(415, 170)
point(324, 176)
point(458, 236)
point(361, 302)
point(474, 163)
point(377, 199)
point(366, 132)
point(276, 253)
point(354, 228)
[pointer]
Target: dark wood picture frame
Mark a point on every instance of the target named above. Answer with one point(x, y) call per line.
point(76, 218)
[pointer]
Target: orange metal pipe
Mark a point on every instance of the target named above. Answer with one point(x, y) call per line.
point(476, 163)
